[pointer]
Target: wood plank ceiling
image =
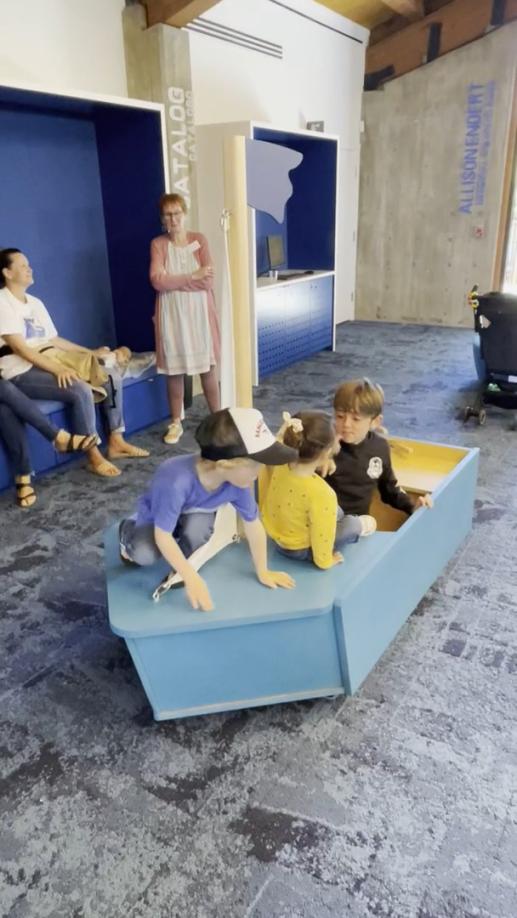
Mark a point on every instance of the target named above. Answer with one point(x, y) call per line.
point(375, 13)
point(405, 34)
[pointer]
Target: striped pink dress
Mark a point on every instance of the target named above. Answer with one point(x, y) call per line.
point(185, 319)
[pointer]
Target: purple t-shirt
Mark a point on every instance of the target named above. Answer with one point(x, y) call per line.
point(176, 489)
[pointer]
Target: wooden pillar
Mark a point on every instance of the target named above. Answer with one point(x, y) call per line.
point(509, 189)
point(235, 200)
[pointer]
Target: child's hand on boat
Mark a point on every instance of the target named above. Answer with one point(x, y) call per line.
point(274, 579)
point(198, 593)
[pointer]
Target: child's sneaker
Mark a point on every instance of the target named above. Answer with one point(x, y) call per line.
point(123, 552)
point(174, 433)
point(368, 525)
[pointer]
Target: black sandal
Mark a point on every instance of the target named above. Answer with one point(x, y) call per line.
point(21, 485)
point(85, 443)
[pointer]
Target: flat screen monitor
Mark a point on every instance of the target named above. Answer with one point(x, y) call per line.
point(275, 251)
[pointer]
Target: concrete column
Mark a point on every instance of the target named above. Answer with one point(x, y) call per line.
point(158, 70)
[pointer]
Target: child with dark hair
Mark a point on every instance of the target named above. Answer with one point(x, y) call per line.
point(299, 510)
point(363, 461)
point(176, 514)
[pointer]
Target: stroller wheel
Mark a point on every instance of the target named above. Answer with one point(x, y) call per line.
point(481, 417)
point(467, 413)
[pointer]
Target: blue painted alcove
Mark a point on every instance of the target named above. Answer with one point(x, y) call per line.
point(308, 227)
point(81, 181)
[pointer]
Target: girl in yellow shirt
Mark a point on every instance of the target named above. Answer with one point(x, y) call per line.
point(299, 509)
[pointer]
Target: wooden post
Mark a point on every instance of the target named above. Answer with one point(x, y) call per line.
point(509, 185)
point(235, 200)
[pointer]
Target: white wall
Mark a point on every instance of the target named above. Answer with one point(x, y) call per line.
point(77, 45)
point(319, 78)
point(63, 44)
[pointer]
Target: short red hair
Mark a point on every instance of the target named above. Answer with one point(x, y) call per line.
point(166, 199)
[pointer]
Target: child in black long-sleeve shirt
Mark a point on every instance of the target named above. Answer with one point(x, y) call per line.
point(363, 461)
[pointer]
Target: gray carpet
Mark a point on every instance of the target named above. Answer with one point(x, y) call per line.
point(400, 802)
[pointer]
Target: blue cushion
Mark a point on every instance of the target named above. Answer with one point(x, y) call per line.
point(48, 407)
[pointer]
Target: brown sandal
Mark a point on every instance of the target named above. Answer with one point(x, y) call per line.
point(30, 494)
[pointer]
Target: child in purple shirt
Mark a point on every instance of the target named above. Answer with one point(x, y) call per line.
point(176, 514)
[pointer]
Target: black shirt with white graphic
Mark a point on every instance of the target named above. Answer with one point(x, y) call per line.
point(362, 467)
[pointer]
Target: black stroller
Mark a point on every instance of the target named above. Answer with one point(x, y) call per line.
point(495, 352)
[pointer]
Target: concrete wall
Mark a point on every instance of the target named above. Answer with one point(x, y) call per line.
point(69, 45)
point(432, 161)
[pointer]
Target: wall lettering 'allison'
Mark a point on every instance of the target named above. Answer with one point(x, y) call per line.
point(479, 111)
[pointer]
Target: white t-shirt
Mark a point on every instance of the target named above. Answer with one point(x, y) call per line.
point(29, 319)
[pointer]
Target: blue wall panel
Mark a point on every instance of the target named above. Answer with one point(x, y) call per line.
point(312, 209)
point(51, 208)
point(132, 178)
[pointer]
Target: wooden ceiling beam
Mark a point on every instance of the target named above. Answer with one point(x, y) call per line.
point(176, 13)
point(396, 23)
point(410, 9)
point(456, 24)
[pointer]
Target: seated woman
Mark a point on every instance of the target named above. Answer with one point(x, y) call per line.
point(16, 410)
point(25, 330)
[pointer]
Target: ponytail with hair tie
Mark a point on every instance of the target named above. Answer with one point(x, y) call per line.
point(295, 423)
point(289, 423)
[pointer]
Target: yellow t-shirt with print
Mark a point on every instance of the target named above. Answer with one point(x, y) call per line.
point(298, 511)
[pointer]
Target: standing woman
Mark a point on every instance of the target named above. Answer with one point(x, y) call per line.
point(186, 326)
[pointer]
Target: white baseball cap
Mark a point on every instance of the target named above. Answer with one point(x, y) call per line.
point(240, 433)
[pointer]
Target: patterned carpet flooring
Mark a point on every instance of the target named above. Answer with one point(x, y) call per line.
point(400, 802)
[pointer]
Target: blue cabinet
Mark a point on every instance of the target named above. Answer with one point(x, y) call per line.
point(294, 320)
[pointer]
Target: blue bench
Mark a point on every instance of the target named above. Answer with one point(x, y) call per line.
point(262, 647)
point(145, 402)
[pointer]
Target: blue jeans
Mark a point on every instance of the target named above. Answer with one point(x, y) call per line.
point(348, 530)
point(38, 384)
point(192, 530)
point(112, 407)
point(16, 410)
